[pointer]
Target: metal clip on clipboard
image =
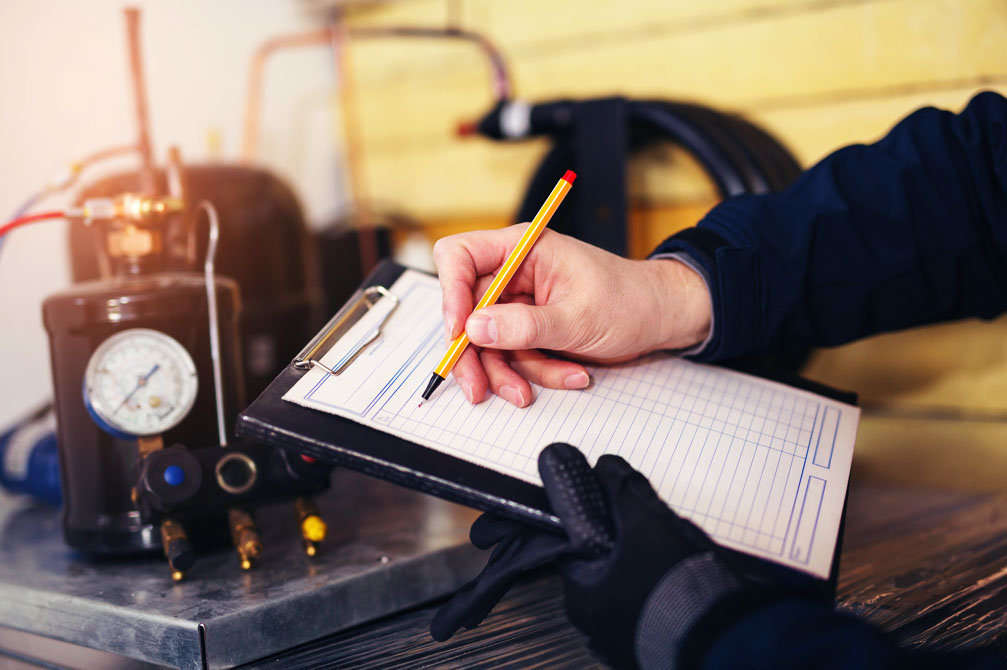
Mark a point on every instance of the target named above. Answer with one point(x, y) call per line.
point(359, 305)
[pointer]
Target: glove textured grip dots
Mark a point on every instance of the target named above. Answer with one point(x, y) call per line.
point(576, 498)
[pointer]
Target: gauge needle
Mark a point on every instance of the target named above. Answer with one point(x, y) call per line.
point(140, 383)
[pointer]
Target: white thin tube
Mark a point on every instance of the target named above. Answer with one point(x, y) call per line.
point(211, 302)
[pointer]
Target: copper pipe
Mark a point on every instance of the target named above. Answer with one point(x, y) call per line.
point(501, 78)
point(253, 100)
point(250, 136)
point(148, 179)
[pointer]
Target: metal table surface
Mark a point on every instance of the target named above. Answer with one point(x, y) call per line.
point(389, 549)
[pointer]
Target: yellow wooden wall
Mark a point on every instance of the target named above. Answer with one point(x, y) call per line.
point(818, 74)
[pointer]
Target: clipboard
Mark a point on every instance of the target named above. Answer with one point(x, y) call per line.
point(340, 441)
point(332, 439)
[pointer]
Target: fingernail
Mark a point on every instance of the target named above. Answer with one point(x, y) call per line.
point(511, 395)
point(481, 329)
point(466, 389)
point(578, 380)
point(449, 325)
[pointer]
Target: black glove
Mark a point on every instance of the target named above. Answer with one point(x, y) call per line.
point(646, 587)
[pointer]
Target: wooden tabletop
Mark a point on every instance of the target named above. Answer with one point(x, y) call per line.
point(929, 567)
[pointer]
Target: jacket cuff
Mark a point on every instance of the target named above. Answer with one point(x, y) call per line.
point(721, 622)
point(732, 274)
point(691, 263)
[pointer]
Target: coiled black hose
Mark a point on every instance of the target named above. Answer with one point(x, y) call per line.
point(738, 156)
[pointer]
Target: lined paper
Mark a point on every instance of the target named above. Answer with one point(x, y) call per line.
point(760, 466)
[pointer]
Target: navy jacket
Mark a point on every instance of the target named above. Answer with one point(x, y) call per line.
point(907, 231)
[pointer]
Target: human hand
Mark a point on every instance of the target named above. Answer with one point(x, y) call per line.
point(568, 297)
point(637, 577)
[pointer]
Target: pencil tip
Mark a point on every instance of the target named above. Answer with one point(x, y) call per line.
point(421, 404)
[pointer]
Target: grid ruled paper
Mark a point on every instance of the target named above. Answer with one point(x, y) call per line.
point(760, 466)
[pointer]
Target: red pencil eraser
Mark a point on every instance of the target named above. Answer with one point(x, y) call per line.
point(570, 176)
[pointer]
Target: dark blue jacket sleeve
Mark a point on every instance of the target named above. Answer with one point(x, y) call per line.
point(907, 231)
point(803, 634)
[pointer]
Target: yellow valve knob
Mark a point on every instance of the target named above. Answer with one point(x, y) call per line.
point(313, 528)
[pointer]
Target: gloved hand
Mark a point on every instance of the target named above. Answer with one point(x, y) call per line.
point(647, 588)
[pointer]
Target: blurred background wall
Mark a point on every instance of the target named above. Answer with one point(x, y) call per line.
point(818, 74)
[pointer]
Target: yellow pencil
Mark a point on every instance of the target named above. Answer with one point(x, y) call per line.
point(510, 266)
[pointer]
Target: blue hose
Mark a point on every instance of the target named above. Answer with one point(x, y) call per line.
point(29, 458)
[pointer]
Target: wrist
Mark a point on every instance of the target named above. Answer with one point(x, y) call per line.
point(718, 624)
point(682, 305)
point(680, 602)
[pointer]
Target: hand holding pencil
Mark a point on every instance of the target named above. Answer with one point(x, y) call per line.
point(503, 276)
point(567, 296)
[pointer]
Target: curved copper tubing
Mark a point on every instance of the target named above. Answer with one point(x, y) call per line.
point(326, 36)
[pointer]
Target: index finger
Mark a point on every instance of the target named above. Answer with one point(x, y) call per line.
point(461, 259)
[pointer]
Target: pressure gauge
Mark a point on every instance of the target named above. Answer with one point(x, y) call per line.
point(139, 382)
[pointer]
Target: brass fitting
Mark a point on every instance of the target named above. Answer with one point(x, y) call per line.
point(177, 549)
point(129, 207)
point(245, 537)
point(141, 208)
point(313, 528)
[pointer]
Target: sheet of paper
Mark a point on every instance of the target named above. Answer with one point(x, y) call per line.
point(760, 466)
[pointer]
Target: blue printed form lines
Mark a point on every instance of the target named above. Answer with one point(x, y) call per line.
point(724, 434)
point(826, 442)
point(807, 519)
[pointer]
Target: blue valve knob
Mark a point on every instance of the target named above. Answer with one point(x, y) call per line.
point(174, 475)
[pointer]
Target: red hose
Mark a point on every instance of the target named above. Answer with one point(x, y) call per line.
point(22, 220)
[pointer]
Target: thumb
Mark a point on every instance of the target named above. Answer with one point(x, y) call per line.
point(576, 498)
point(519, 326)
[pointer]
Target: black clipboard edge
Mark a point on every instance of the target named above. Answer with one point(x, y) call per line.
point(256, 430)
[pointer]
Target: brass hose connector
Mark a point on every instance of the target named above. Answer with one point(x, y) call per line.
point(177, 549)
point(313, 528)
point(245, 537)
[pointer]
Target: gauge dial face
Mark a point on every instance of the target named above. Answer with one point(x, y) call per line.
point(140, 382)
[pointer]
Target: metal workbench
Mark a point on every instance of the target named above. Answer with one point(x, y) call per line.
point(388, 549)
